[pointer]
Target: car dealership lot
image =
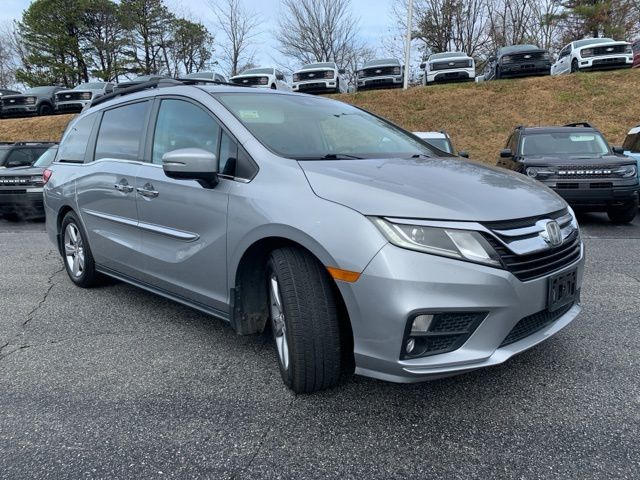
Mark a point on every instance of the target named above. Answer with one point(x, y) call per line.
point(118, 383)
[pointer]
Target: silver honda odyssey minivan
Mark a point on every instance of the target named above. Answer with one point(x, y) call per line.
point(354, 242)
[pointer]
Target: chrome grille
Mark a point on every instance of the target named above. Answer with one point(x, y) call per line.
point(525, 253)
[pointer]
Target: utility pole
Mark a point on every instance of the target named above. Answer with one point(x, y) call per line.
point(407, 44)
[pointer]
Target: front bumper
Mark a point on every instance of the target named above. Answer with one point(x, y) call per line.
point(525, 69)
point(606, 62)
point(399, 282)
point(9, 111)
point(27, 203)
point(71, 106)
point(454, 75)
point(388, 81)
point(315, 86)
point(592, 195)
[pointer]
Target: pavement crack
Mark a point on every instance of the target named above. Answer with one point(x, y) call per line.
point(31, 315)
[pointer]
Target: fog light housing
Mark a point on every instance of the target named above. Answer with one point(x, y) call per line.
point(420, 324)
point(436, 333)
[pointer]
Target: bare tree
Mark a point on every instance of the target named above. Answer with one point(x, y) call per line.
point(319, 31)
point(509, 22)
point(9, 59)
point(240, 29)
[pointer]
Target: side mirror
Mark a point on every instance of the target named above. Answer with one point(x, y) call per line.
point(618, 150)
point(463, 154)
point(423, 65)
point(341, 71)
point(506, 153)
point(192, 164)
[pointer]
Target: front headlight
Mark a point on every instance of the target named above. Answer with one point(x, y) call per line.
point(586, 52)
point(628, 49)
point(445, 242)
point(30, 100)
point(86, 96)
point(546, 56)
point(538, 172)
point(507, 59)
point(396, 70)
point(626, 171)
point(296, 77)
point(36, 179)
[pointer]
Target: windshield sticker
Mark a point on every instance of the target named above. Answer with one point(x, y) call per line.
point(249, 114)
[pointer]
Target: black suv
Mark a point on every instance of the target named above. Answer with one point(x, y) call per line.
point(35, 101)
point(577, 163)
point(21, 188)
point(518, 61)
point(21, 154)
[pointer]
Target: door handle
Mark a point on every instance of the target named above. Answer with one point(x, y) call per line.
point(147, 191)
point(123, 186)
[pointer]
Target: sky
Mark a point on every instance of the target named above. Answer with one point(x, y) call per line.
point(374, 15)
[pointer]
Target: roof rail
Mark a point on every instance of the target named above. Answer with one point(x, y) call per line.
point(196, 81)
point(579, 124)
point(29, 142)
point(134, 89)
point(157, 83)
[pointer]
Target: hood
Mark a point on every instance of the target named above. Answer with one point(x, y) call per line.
point(604, 44)
point(21, 171)
point(577, 160)
point(320, 69)
point(432, 188)
point(252, 75)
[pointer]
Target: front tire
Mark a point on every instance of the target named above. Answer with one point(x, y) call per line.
point(624, 213)
point(76, 254)
point(45, 109)
point(304, 320)
point(574, 66)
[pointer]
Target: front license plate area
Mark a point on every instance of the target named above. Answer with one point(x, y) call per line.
point(562, 290)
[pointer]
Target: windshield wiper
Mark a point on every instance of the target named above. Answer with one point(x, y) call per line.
point(339, 156)
point(418, 155)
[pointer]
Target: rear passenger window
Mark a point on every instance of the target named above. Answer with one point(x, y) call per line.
point(74, 142)
point(121, 132)
point(182, 124)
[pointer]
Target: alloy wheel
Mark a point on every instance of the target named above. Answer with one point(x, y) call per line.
point(74, 250)
point(278, 325)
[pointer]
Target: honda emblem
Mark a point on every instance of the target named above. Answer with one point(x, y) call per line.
point(552, 233)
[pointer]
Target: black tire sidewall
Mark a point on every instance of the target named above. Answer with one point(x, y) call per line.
point(623, 214)
point(45, 109)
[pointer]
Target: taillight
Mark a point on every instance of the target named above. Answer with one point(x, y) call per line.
point(46, 175)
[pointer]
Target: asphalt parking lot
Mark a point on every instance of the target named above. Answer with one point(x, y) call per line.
point(117, 383)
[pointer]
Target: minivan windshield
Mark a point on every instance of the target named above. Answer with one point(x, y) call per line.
point(46, 158)
point(311, 128)
point(590, 143)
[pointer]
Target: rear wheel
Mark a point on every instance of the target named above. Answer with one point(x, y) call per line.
point(78, 260)
point(304, 320)
point(624, 213)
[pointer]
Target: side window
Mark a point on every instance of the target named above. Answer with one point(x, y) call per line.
point(228, 155)
point(182, 124)
point(121, 132)
point(74, 142)
point(19, 157)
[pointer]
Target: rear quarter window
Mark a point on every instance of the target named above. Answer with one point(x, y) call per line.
point(73, 146)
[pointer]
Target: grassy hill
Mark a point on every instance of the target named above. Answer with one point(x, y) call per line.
point(479, 117)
